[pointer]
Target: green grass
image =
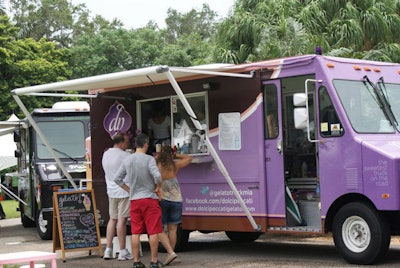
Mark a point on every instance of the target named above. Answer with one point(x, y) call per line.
point(10, 208)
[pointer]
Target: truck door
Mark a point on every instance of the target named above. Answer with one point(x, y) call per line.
point(300, 155)
point(273, 148)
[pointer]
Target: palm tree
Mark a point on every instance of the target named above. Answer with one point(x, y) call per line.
point(2, 8)
point(275, 28)
point(258, 30)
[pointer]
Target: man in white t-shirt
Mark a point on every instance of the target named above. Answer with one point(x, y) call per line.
point(118, 199)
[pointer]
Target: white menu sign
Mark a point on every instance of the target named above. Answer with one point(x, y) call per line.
point(229, 131)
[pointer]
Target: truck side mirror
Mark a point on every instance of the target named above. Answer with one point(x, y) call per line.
point(17, 154)
point(299, 99)
point(17, 135)
point(300, 118)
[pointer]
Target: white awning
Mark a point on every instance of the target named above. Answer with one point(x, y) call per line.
point(7, 144)
point(142, 77)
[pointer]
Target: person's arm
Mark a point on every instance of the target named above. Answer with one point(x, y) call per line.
point(183, 160)
point(158, 190)
point(126, 187)
point(155, 172)
point(119, 178)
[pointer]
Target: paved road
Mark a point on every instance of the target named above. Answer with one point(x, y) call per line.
point(210, 250)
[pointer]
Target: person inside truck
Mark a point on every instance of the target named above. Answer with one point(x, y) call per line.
point(159, 126)
point(118, 199)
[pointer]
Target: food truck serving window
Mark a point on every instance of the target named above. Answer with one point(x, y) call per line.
point(166, 121)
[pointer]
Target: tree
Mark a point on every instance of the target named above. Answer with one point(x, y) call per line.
point(189, 37)
point(259, 30)
point(2, 8)
point(56, 20)
point(189, 50)
point(25, 63)
point(368, 29)
point(202, 22)
point(114, 50)
point(186, 41)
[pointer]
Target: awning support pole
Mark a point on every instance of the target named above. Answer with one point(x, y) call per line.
point(12, 195)
point(211, 149)
point(45, 141)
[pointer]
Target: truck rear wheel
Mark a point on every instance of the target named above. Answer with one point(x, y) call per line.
point(360, 233)
point(44, 225)
point(182, 239)
point(242, 236)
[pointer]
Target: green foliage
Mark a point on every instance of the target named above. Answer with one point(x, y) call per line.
point(25, 62)
point(189, 50)
point(201, 22)
point(186, 41)
point(258, 30)
point(56, 20)
point(54, 40)
point(114, 50)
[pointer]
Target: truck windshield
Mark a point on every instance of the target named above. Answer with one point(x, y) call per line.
point(67, 139)
point(392, 93)
point(362, 107)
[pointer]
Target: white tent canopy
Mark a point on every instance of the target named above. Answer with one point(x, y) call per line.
point(7, 144)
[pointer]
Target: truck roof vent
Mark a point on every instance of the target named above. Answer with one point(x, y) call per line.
point(71, 105)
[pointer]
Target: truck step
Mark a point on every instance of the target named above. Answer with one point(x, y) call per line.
point(308, 229)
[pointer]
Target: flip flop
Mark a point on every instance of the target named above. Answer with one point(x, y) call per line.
point(170, 258)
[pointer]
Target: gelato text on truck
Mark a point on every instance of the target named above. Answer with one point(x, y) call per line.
point(300, 145)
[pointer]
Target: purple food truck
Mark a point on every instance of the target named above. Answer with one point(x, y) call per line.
point(301, 145)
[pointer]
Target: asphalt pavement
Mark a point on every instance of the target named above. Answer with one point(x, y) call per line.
point(15, 238)
point(206, 250)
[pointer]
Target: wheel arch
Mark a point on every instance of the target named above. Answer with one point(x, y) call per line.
point(339, 203)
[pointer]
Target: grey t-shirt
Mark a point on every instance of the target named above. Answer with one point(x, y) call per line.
point(141, 174)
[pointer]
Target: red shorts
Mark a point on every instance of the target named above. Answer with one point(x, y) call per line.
point(145, 216)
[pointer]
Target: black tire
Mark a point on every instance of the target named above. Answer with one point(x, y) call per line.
point(360, 233)
point(25, 220)
point(182, 239)
point(44, 225)
point(242, 236)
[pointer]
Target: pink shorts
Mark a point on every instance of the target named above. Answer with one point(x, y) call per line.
point(145, 216)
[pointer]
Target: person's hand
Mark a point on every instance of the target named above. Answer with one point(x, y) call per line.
point(126, 187)
point(158, 192)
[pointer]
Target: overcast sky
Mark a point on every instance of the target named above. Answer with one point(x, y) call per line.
point(136, 13)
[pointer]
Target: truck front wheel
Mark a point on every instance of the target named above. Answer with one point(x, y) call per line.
point(44, 225)
point(360, 233)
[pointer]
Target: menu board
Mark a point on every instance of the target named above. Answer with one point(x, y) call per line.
point(229, 131)
point(75, 225)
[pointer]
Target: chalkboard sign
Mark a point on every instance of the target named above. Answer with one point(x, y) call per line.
point(75, 225)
